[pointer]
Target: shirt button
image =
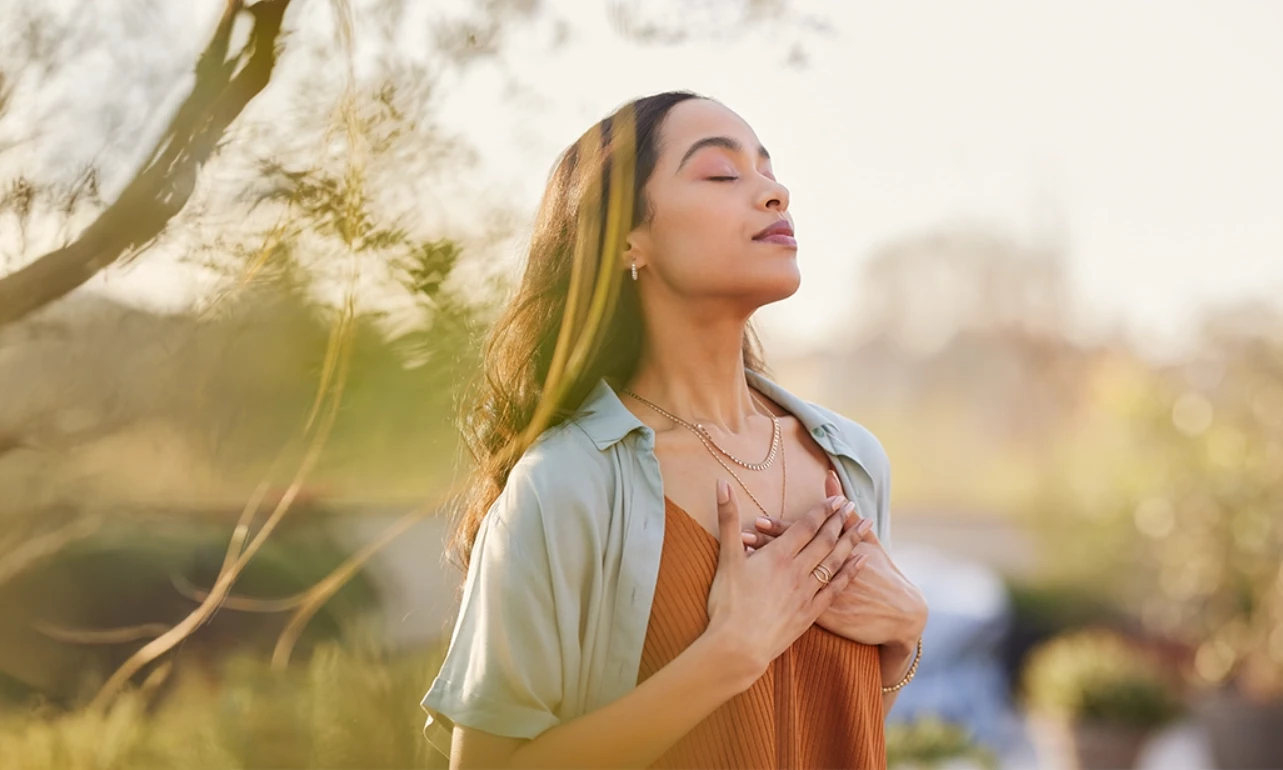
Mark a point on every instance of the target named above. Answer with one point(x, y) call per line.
point(817, 432)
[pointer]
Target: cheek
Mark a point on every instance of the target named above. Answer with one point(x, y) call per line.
point(706, 227)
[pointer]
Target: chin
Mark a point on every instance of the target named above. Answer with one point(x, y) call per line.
point(777, 284)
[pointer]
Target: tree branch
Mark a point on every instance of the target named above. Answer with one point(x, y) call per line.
point(165, 182)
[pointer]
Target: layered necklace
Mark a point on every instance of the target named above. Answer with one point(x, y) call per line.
point(777, 447)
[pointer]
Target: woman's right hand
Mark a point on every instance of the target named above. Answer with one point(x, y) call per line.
point(760, 604)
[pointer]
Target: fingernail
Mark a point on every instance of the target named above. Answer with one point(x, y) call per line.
point(763, 522)
point(748, 537)
point(723, 491)
point(865, 526)
point(835, 503)
point(848, 509)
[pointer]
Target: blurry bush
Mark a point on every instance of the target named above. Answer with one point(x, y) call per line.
point(78, 614)
point(1094, 675)
point(1094, 699)
point(930, 742)
point(345, 708)
point(1042, 609)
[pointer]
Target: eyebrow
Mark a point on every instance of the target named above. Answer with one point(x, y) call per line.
point(724, 142)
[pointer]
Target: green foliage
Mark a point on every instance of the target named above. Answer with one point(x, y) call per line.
point(1053, 607)
point(1042, 609)
point(931, 741)
point(1094, 675)
point(150, 571)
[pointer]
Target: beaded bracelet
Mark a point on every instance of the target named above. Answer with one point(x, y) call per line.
point(908, 677)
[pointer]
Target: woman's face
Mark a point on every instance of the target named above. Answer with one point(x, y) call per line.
point(719, 225)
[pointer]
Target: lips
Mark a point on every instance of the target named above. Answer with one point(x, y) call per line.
point(781, 232)
point(780, 227)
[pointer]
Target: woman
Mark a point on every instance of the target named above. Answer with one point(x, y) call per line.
point(637, 594)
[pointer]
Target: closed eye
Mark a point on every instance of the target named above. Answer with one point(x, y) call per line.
point(722, 178)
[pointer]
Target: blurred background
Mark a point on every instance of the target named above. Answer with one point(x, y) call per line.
point(247, 250)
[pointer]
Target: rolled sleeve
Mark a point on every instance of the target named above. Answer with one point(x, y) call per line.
point(503, 669)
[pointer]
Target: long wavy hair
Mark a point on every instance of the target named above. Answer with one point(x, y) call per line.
point(573, 320)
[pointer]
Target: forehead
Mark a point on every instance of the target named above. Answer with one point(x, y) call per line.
point(696, 119)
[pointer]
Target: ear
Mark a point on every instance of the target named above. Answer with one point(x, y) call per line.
point(634, 249)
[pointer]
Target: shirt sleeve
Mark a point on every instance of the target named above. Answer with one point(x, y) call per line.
point(884, 504)
point(502, 672)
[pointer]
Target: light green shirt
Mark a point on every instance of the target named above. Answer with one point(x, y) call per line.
point(558, 592)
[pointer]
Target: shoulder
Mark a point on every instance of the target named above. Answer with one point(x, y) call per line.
point(861, 442)
point(563, 461)
point(853, 433)
point(858, 443)
point(561, 472)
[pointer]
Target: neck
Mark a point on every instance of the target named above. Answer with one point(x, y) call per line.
point(694, 368)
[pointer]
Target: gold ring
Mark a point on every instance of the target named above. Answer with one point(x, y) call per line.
point(822, 574)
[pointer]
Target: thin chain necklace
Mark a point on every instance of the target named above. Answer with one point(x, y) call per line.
point(784, 464)
point(708, 438)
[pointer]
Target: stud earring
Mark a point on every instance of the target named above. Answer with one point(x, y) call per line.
point(634, 269)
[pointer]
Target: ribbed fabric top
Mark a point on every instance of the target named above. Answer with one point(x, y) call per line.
point(819, 705)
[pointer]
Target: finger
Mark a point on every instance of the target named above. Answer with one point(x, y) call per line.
point(768, 526)
point(753, 539)
point(861, 531)
point(801, 532)
point(825, 541)
point(832, 562)
point(868, 533)
point(857, 525)
point(832, 486)
point(776, 527)
point(850, 515)
point(828, 593)
point(728, 523)
point(842, 550)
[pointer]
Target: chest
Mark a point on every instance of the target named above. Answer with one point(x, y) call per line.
point(792, 485)
point(817, 705)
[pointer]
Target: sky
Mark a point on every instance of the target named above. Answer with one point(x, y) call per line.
point(1145, 135)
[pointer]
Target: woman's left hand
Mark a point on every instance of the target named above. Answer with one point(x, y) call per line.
point(880, 606)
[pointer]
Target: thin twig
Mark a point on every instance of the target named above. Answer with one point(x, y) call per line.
point(100, 635)
point(315, 597)
point(235, 562)
point(237, 603)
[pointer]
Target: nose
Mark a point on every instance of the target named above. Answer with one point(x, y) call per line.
point(774, 196)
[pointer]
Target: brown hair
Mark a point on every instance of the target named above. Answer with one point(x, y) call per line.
point(573, 319)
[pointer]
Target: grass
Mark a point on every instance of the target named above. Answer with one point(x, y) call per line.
point(343, 708)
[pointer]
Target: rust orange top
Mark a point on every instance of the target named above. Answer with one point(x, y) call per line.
point(819, 705)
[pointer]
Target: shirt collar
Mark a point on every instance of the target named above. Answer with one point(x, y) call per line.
point(607, 421)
